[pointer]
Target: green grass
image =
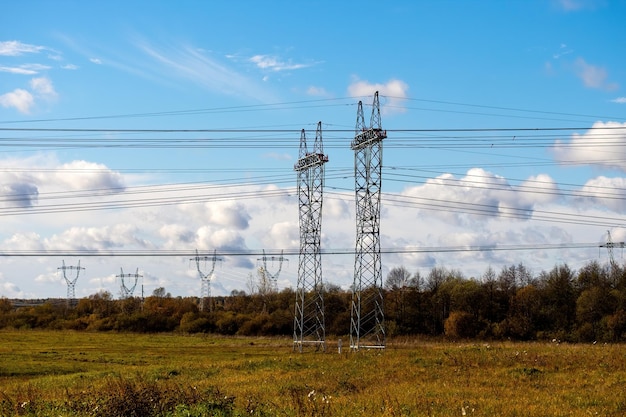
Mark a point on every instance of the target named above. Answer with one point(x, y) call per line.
point(111, 374)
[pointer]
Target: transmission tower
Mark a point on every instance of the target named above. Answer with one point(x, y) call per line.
point(273, 278)
point(367, 321)
point(205, 288)
point(609, 245)
point(127, 291)
point(309, 324)
point(71, 282)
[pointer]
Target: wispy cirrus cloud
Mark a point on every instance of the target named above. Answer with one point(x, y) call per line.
point(273, 63)
point(25, 69)
point(577, 5)
point(16, 48)
point(199, 67)
point(619, 100)
point(593, 76)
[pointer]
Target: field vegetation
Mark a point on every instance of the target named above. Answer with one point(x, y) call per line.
point(504, 344)
point(69, 373)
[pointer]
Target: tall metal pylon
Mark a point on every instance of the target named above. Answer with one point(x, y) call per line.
point(309, 323)
point(205, 287)
point(273, 278)
point(609, 245)
point(367, 320)
point(127, 291)
point(71, 282)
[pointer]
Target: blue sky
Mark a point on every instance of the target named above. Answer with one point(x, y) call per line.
point(505, 127)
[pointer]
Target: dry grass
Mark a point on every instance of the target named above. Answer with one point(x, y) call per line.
point(81, 374)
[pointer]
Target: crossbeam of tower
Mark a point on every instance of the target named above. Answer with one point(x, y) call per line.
point(126, 291)
point(367, 321)
point(205, 278)
point(309, 322)
point(71, 282)
point(273, 278)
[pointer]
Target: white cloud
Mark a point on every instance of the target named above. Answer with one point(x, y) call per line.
point(593, 76)
point(24, 100)
point(18, 70)
point(43, 88)
point(69, 67)
point(97, 61)
point(619, 100)
point(476, 197)
point(394, 92)
point(606, 192)
point(21, 99)
point(272, 63)
point(15, 48)
point(317, 91)
point(202, 69)
point(83, 175)
point(602, 145)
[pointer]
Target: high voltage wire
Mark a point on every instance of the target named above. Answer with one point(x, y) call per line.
point(332, 102)
point(291, 252)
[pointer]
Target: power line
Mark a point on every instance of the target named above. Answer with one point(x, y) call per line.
point(292, 251)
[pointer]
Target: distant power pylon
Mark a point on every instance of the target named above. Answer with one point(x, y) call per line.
point(609, 245)
point(71, 282)
point(367, 320)
point(309, 322)
point(127, 291)
point(205, 288)
point(272, 278)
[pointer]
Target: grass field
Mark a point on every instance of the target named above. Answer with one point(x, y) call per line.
point(111, 374)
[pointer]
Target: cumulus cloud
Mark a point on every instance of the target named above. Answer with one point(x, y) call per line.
point(478, 196)
point(602, 145)
point(20, 99)
point(593, 76)
point(394, 93)
point(605, 192)
point(228, 214)
point(83, 175)
point(19, 194)
point(96, 239)
point(43, 87)
point(24, 100)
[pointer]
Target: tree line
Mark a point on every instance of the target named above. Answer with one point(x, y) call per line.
point(560, 304)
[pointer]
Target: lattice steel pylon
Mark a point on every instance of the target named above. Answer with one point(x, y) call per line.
point(309, 323)
point(205, 286)
point(367, 320)
point(71, 282)
point(273, 278)
point(609, 245)
point(127, 291)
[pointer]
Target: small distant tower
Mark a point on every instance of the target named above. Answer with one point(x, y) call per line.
point(273, 278)
point(367, 320)
point(127, 291)
point(71, 282)
point(205, 288)
point(309, 323)
point(609, 245)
